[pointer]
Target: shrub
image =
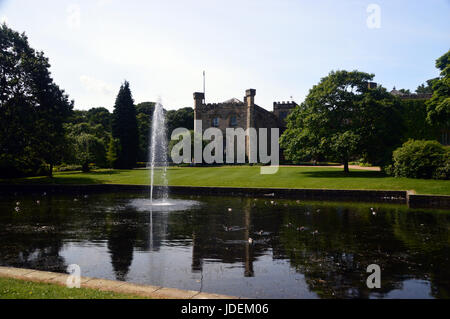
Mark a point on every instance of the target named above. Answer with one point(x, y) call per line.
point(419, 159)
point(388, 169)
point(443, 172)
point(21, 166)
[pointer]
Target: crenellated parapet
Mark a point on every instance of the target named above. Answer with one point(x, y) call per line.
point(284, 105)
point(222, 104)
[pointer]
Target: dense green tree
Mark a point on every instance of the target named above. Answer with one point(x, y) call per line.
point(439, 105)
point(146, 108)
point(428, 88)
point(144, 125)
point(183, 117)
point(77, 116)
point(113, 150)
point(414, 114)
point(100, 115)
point(87, 143)
point(342, 119)
point(144, 115)
point(124, 127)
point(32, 108)
point(87, 149)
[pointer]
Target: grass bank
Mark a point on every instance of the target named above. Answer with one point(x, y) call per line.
point(21, 289)
point(249, 176)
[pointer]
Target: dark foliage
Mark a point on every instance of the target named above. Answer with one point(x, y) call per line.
point(32, 109)
point(124, 128)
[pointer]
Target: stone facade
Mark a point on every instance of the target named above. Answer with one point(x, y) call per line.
point(282, 110)
point(234, 113)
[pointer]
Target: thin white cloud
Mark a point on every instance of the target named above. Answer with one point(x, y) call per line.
point(102, 3)
point(3, 19)
point(95, 85)
point(73, 16)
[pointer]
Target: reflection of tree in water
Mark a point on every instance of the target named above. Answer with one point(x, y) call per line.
point(334, 261)
point(33, 251)
point(32, 239)
point(120, 246)
point(427, 237)
point(128, 230)
point(121, 228)
point(406, 244)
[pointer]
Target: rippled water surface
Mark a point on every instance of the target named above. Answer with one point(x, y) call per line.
point(237, 246)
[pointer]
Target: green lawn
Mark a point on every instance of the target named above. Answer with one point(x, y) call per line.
point(248, 176)
point(21, 289)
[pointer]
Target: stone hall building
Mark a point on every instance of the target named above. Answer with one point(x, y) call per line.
point(234, 113)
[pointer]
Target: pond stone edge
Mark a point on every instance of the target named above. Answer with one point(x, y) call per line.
point(388, 196)
point(122, 287)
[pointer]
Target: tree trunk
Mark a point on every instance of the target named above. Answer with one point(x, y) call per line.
point(346, 170)
point(85, 167)
point(50, 173)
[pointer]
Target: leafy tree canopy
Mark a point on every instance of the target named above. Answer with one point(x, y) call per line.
point(183, 117)
point(124, 127)
point(100, 115)
point(32, 107)
point(438, 106)
point(145, 108)
point(428, 88)
point(342, 119)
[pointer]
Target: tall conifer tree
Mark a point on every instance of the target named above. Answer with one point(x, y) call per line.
point(124, 128)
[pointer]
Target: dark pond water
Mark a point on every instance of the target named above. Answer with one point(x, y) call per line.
point(298, 249)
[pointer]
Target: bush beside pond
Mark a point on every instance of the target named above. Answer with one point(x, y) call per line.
point(421, 159)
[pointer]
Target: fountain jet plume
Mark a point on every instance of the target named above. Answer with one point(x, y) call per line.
point(158, 151)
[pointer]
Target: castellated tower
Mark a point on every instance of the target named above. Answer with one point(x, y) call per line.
point(282, 110)
point(199, 99)
point(234, 113)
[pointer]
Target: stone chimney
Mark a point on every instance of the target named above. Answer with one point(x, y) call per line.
point(371, 85)
point(250, 97)
point(250, 105)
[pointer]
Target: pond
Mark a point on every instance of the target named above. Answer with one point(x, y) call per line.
point(249, 247)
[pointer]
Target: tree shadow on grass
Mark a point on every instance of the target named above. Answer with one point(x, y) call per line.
point(47, 180)
point(341, 174)
point(103, 172)
point(71, 180)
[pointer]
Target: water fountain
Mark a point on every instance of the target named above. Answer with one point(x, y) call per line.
point(158, 153)
point(158, 162)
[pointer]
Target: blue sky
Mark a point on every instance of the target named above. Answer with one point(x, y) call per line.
point(280, 48)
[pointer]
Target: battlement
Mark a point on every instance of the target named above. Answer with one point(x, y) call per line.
point(416, 96)
point(221, 104)
point(284, 105)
